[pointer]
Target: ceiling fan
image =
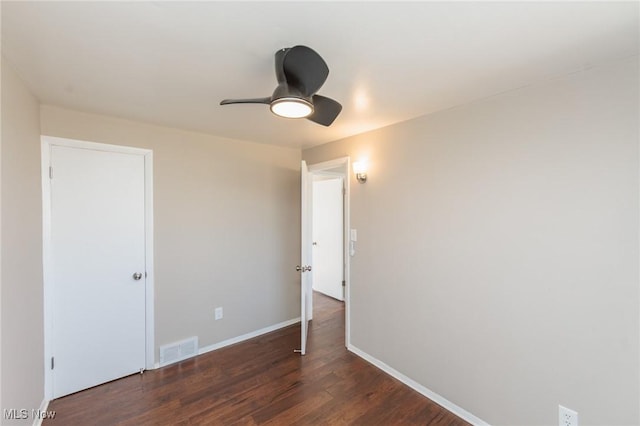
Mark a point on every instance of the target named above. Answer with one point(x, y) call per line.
point(300, 72)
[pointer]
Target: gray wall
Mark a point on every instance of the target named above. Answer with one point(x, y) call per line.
point(497, 253)
point(22, 299)
point(226, 217)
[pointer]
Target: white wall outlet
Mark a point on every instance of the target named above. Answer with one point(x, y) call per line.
point(218, 313)
point(567, 417)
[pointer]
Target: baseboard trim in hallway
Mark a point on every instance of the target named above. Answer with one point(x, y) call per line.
point(438, 399)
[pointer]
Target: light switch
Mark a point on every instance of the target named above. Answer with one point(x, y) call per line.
point(354, 235)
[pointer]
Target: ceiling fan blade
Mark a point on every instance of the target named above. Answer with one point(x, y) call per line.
point(325, 110)
point(280, 54)
point(246, 101)
point(304, 69)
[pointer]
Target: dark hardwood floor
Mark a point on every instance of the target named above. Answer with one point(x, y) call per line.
point(260, 381)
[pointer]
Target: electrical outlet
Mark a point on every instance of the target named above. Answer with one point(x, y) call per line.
point(218, 313)
point(567, 417)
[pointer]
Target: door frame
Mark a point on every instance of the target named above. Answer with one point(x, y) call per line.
point(321, 168)
point(47, 142)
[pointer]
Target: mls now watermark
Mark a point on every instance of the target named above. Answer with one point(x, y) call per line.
point(24, 414)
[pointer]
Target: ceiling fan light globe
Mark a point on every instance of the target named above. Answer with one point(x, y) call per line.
point(292, 107)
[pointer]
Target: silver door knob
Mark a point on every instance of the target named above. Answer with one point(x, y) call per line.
point(307, 268)
point(298, 268)
point(137, 276)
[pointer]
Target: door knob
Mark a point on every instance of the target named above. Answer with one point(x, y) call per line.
point(298, 268)
point(303, 268)
point(137, 276)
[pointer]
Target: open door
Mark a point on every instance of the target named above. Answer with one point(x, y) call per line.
point(305, 256)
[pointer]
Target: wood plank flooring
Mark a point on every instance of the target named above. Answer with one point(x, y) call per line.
point(260, 382)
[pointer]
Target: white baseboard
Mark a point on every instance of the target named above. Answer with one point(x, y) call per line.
point(458, 411)
point(248, 336)
point(244, 337)
point(37, 421)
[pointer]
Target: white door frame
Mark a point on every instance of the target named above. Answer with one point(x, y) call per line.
point(321, 168)
point(47, 142)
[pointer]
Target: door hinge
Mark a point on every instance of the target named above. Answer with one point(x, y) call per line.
point(50, 172)
point(52, 363)
point(343, 283)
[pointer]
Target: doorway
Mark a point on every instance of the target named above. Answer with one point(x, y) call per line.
point(98, 271)
point(328, 234)
point(338, 171)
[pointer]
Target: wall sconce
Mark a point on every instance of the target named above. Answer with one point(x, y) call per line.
point(360, 169)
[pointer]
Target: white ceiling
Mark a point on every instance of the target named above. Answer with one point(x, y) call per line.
point(170, 63)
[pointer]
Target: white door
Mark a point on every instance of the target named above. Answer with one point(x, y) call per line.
point(328, 239)
point(98, 267)
point(305, 256)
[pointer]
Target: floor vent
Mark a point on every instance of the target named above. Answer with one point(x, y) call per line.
point(178, 351)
